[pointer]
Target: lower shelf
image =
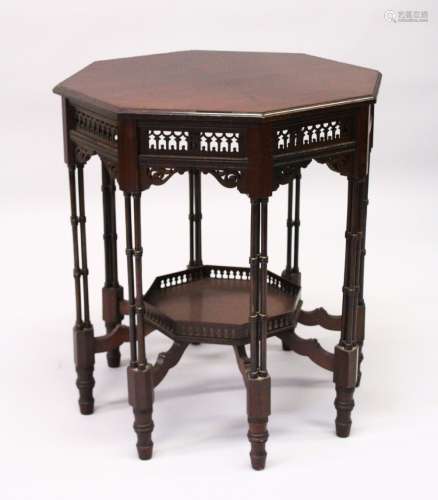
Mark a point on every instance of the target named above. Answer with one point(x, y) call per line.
point(211, 304)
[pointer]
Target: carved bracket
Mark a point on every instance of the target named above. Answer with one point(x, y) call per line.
point(310, 348)
point(320, 317)
point(226, 177)
point(156, 176)
point(285, 173)
point(83, 153)
point(341, 163)
point(166, 361)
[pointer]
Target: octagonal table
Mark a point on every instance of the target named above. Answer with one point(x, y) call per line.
point(253, 121)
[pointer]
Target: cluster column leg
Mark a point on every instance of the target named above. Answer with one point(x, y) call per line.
point(83, 335)
point(347, 351)
point(361, 301)
point(292, 271)
point(112, 292)
point(258, 382)
point(195, 219)
point(140, 381)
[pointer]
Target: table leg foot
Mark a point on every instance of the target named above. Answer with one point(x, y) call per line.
point(113, 358)
point(345, 378)
point(141, 394)
point(344, 404)
point(85, 384)
point(144, 426)
point(258, 435)
point(84, 361)
point(258, 409)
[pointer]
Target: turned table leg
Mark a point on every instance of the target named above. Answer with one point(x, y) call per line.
point(140, 381)
point(112, 292)
point(83, 335)
point(347, 352)
point(292, 272)
point(258, 383)
point(195, 221)
point(361, 301)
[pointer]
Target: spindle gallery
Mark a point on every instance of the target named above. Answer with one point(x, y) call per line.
point(254, 121)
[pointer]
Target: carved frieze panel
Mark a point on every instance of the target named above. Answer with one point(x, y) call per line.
point(180, 141)
point(96, 126)
point(93, 134)
point(291, 137)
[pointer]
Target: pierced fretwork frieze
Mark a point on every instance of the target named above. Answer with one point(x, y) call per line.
point(219, 142)
point(92, 135)
point(226, 143)
point(304, 135)
point(167, 140)
point(95, 126)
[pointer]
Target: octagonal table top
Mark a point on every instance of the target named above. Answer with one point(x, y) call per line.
point(254, 84)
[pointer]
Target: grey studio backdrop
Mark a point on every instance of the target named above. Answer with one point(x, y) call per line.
point(48, 449)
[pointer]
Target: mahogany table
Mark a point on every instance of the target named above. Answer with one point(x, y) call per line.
point(253, 121)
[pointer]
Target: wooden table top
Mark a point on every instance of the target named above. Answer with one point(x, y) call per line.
point(220, 83)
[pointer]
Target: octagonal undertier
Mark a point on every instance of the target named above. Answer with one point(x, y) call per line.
point(211, 304)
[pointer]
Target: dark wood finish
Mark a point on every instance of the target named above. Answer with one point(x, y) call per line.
point(141, 398)
point(258, 382)
point(293, 223)
point(254, 121)
point(166, 361)
point(215, 300)
point(292, 273)
point(345, 378)
point(83, 340)
point(258, 408)
point(258, 404)
point(112, 292)
point(320, 317)
point(131, 292)
point(139, 305)
point(210, 304)
point(360, 315)
point(195, 219)
point(219, 82)
point(83, 330)
point(351, 335)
